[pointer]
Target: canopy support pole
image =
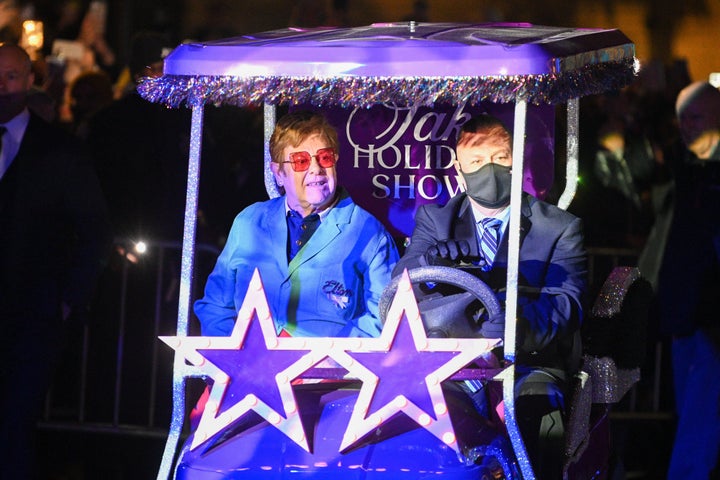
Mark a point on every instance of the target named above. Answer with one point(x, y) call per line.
point(508, 375)
point(269, 117)
point(571, 169)
point(180, 370)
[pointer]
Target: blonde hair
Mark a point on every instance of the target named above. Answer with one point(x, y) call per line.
point(292, 129)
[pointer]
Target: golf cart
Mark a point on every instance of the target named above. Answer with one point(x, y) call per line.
point(287, 407)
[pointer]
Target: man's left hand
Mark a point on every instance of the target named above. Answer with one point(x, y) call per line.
point(447, 252)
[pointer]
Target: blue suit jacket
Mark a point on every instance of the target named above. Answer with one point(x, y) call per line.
point(552, 272)
point(331, 287)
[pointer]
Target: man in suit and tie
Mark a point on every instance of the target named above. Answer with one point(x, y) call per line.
point(470, 230)
point(54, 236)
point(323, 259)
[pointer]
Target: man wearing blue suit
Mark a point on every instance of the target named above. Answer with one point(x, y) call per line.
point(551, 283)
point(324, 261)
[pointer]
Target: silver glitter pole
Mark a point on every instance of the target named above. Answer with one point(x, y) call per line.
point(571, 172)
point(268, 127)
point(508, 376)
point(186, 271)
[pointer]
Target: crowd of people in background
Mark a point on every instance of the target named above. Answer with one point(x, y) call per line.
point(651, 183)
point(85, 115)
point(631, 151)
point(140, 149)
point(626, 135)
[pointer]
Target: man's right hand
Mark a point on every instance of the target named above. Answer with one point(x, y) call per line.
point(447, 252)
point(494, 327)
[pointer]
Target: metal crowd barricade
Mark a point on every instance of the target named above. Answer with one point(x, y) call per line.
point(136, 302)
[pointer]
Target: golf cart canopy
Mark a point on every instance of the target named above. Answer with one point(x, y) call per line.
point(402, 63)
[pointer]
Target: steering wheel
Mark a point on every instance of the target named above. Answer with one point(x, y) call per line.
point(446, 316)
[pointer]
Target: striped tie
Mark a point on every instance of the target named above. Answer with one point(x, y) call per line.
point(488, 246)
point(489, 240)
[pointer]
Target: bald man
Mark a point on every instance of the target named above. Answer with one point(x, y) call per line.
point(698, 112)
point(54, 235)
point(689, 283)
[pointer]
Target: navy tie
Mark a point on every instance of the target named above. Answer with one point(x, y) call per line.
point(489, 240)
point(488, 247)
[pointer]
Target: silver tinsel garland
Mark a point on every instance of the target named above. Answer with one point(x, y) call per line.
point(348, 91)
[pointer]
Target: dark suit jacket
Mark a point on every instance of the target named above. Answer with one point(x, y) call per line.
point(140, 152)
point(552, 273)
point(54, 232)
point(689, 273)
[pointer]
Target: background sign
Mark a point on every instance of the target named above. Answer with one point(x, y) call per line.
point(393, 159)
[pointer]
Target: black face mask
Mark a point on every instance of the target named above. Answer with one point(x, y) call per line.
point(489, 186)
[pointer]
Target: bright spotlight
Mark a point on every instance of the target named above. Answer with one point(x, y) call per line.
point(141, 247)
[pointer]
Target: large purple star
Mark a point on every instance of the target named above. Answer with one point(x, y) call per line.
point(252, 369)
point(402, 370)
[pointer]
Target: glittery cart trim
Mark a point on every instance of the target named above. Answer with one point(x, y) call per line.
point(610, 298)
point(609, 383)
point(600, 382)
point(481, 453)
point(578, 423)
point(349, 91)
point(508, 386)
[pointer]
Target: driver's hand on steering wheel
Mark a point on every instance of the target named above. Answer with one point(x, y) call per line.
point(494, 327)
point(447, 252)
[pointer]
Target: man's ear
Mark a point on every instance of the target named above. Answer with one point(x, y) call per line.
point(275, 167)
